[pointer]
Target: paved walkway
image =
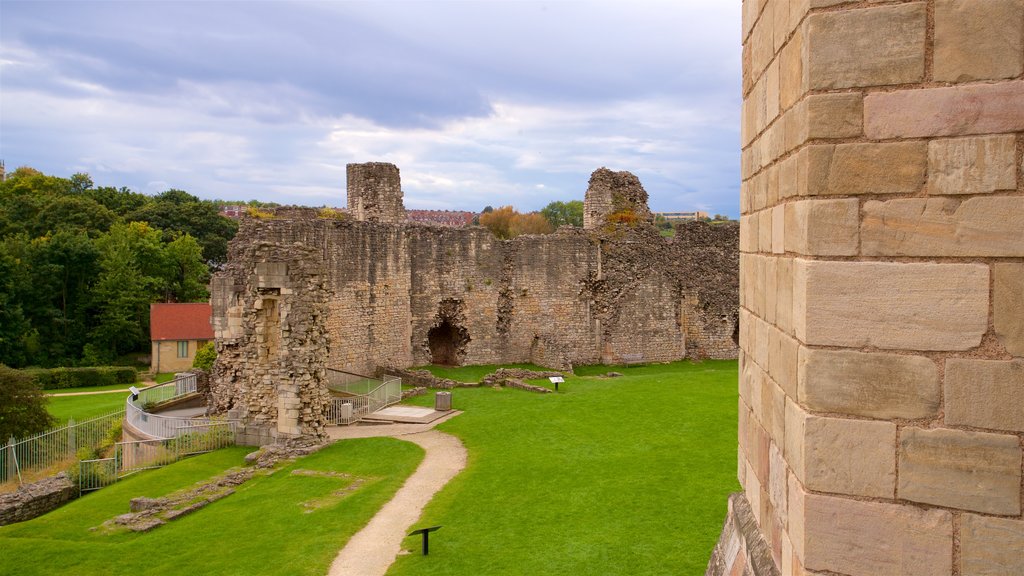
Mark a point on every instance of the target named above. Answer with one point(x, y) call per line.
point(89, 393)
point(374, 548)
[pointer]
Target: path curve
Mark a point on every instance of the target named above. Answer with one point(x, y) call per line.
point(372, 550)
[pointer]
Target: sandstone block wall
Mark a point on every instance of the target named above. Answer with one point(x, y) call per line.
point(882, 285)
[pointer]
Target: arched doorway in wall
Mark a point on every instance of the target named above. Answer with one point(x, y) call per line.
point(447, 339)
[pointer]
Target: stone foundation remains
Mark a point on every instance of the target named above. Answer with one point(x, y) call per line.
point(36, 499)
point(301, 292)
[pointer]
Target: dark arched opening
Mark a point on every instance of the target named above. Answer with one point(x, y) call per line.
point(447, 343)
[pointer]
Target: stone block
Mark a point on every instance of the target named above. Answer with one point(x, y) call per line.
point(975, 471)
point(784, 296)
point(985, 393)
point(769, 289)
point(981, 226)
point(875, 539)
point(884, 386)
point(991, 546)
point(792, 77)
point(866, 168)
point(778, 229)
point(835, 115)
point(953, 111)
point(764, 230)
point(762, 45)
point(796, 126)
point(972, 165)
point(773, 408)
point(778, 475)
point(888, 41)
point(796, 424)
point(855, 457)
point(901, 306)
point(795, 497)
point(771, 95)
point(1008, 306)
point(782, 361)
point(822, 227)
point(788, 177)
point(978, 40)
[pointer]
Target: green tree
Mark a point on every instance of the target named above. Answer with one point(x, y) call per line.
point(560, 213)
point(186, 274)
point(178, 212)
point(205, 357)
point(22, 405)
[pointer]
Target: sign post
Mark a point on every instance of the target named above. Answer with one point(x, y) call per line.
point(426, 539)
point(556, 380)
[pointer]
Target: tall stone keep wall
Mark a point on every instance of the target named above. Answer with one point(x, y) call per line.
point(881, 418)
point(375, 192)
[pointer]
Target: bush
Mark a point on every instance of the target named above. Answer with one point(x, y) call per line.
point(22, 405)
point(57, 378)
point(205, 356)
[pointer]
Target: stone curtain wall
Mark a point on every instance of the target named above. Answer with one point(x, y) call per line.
point(881, 413)
point(375, 192)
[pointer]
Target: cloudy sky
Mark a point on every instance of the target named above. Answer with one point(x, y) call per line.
point(477, 102)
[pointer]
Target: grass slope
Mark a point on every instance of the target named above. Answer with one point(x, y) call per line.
point(262, 529)
point(611, 476)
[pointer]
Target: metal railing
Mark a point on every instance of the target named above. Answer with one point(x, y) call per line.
point(350, 409)
point(157, 426)
point(134, 456)
point(54, 446)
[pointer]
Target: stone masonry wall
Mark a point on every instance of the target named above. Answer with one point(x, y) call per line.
point(301, 292)
point(881, 414)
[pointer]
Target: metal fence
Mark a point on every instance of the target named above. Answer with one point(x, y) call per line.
point(350, 409)
point(157, 426)
point(54, 446)
point(134, 456)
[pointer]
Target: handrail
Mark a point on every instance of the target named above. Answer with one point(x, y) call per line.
point(387, 393)
point(164, 427)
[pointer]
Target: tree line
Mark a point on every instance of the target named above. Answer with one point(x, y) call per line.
point(80, 265)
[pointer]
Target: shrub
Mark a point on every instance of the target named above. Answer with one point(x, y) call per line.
point(22, 405)
point(56, 378)
point(205, 356)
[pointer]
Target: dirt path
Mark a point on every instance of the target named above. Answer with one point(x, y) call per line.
point(89, 393)
point(374, 548)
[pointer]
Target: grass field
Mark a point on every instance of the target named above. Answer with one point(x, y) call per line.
point(261, 529)
point(610, 476)
point(83, 407)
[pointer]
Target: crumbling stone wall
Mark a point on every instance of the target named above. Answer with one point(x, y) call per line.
point(614, 193)
point(36, 499)
point(356, 295)
point(881, 419)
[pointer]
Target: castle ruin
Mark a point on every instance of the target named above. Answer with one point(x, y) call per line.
point(301, 293)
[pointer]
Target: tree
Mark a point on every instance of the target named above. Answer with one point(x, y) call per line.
point(186, 274)
point(22, 405)
point(564, 213)
point(177, 212)
point(532, 223)
point(205, 357)
point(499, 221)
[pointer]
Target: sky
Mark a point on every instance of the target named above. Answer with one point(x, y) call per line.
point(478, 103)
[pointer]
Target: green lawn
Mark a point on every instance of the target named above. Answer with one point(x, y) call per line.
point(262, 529)
point(610, 476)
point(83, 407)
point(473, 373)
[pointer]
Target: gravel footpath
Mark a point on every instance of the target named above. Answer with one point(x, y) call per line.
point(373, 549)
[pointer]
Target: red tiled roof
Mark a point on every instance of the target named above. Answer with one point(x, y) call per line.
point(180, 322)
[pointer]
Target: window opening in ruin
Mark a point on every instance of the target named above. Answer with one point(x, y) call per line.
point(447, 344)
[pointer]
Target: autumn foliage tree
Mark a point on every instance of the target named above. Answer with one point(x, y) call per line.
point(506, 223)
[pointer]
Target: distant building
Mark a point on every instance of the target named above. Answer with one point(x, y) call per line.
point(176, 332)
point(454, 218)
point(233, 210)
point(683, 216)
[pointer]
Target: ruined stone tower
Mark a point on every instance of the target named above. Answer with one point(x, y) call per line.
point(615, 195)
point(375, 192)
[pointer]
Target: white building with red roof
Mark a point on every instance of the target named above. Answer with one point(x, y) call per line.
point(176, 332)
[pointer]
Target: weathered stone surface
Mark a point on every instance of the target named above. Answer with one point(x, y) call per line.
point(796, 431)
point(937, 466)
point(36, 499)
point(908, 306)
point(741, 548)
point(973, 165)
point(944, 227)
point(866, 168)
point(855, 457)
point(991, 546)
point(954, 111)
point(611, 193)
point(835, 115)
point(889, 43)
point(875, 539)
point(823, 227)
point(873, 385)
point(792, 80)
point(985, 393)
point(1008, 305)
point(978, 40)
